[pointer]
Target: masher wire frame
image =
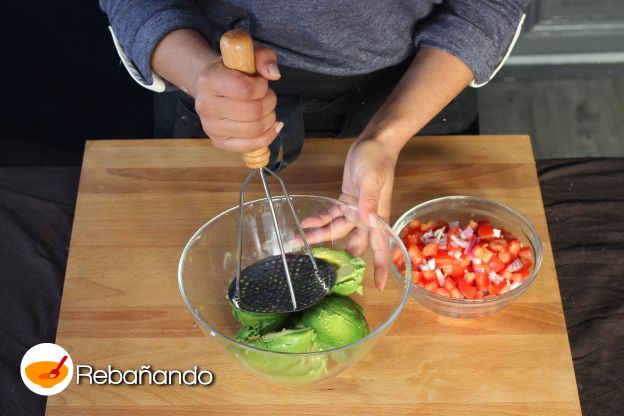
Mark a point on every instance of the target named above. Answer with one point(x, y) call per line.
point(324, 276)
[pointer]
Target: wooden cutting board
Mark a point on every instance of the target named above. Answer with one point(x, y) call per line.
point(140, 201)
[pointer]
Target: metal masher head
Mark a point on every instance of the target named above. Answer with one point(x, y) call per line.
point(289, 281)
point(286, 282)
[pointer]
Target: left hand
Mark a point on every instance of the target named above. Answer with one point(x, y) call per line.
point(367, 183)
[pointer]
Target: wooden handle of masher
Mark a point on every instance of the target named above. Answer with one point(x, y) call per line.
point(238, 54)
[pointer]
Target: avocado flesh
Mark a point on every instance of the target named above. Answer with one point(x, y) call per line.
point(287, 340)
point(337, 321)
point(256, 324)
point(288, 368)
point(349, 270)
point(333, 322)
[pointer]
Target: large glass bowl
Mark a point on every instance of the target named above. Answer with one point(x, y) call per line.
point(463, 209)
point(209, 261)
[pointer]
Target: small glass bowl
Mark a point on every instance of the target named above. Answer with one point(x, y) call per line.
point(463, 209)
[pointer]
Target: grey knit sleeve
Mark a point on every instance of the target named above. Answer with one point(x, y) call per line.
point(139, 25)
point(479, 32)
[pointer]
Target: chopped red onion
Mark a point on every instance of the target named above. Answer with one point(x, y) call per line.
point(439, 234)
point(495, 277)
point(472, 245)
point(467, 232)
point(476, 260)
point(423, 267)
point(515, 285)
point(459, 242)
point(431, 264)
point(515, 265)
point(479, 270)
point(457, 255)
point(440, 277)
point(496, 233)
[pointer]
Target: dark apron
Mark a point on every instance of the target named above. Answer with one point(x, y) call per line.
point(317, 105)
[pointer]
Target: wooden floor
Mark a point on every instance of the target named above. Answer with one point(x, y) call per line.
point(565, 117)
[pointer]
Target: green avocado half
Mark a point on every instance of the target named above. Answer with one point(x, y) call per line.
point(256, 324)
point(349, 270)
point(287, 368)
point(337, 321)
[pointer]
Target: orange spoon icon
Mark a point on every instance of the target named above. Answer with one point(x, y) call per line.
point(54, 373)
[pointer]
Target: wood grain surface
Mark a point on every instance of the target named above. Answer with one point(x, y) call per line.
point(139, 202)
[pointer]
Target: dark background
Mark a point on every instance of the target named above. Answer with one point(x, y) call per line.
point(62, 83)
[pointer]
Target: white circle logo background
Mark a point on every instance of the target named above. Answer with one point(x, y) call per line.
point(46, 352)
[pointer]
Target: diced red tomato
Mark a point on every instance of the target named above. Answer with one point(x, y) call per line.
point(485, 231)
point(456, 294)
point(514, 247)
point(414, 225)
point(413, 239)
point(467, 290)
point(464, 279)
point(496, 264)
point(525, 254)
point(416, 276)
point(482, 280)
point(458, 271)
point(415, 255)
point(430, 225)
point(465, 260)
point(497, 244)
point(492, 289)
point(430, 249)
point(516, 277)
point(442, 257)
point(428, 276)
point(525, 271)
point(505, 256)
point(483, 253)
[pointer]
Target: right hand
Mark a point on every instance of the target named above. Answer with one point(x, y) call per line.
point(237, 111)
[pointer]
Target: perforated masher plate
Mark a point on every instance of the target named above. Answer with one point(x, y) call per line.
point(264, 287)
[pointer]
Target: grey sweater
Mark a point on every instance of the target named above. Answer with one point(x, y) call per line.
point(336, 37)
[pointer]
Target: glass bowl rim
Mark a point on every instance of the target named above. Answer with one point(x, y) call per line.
point(537, 248)
point(214, 332)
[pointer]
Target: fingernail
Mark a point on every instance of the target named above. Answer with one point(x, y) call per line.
point(279, 126)
point(274, 71)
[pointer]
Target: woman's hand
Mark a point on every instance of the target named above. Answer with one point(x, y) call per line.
point(368, 178)
point(367, 181)
point(367, 189)
point(237, 111)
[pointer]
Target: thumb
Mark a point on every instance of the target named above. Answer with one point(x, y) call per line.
point(266, 63)
point(368, 202)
